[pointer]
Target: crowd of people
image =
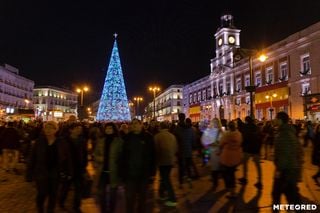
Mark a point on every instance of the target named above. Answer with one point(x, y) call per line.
point(130, 154)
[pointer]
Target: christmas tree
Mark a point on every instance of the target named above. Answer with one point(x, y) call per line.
point(113, 104)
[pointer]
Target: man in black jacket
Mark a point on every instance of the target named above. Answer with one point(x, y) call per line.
point(78, 152)
point(137, 165)
point(251, 146)
point(49, 155)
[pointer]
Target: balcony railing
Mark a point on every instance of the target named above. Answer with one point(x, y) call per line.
point(305, 72)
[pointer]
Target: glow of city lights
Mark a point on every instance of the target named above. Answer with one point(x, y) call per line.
point(263, 58)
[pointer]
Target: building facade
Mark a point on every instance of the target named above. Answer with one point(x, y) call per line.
point(197, 100)
point(289, 80)
point(168, 104)
point(15, 91)
point(53, 103)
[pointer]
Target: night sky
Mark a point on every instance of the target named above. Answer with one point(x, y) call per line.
point(68, 43)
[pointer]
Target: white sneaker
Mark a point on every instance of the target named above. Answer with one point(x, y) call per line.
point(170, 203)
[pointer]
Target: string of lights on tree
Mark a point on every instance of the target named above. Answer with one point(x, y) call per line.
point(113, 104)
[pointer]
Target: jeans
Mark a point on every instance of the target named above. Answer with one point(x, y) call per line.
point(165, 183)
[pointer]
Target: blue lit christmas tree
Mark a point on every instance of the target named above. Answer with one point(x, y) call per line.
point(113, 104)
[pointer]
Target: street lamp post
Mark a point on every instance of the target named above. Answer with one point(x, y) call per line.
point(138, 100)
point(89, 111)
point(270, 97)
point(154, 89)
point(81, 91)
point(252, 88)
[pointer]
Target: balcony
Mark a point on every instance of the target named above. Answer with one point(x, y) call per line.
point(305, 72)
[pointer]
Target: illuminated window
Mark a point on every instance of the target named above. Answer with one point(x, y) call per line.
point(199, 96)
point(305, 89)
point(238, 85)
point(204, 95)
point(190, 98)
point(248, 99)
point(238, 101)
point(283, 71)
point(259, 114)
point(258, 79)
point(269, 75)
point(305, 65)
point(247, 80)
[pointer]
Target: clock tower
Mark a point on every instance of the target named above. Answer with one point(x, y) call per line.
point(227, 38)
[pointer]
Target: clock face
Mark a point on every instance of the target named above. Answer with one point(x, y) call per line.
point(220, 41)
point(231, 39)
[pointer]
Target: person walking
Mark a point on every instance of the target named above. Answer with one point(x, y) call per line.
point(230, 157)
point(185, 138)
point(107, 155)
point(252, 140)
point(48, 159)
point(79, 156)
point(288, 162)
point(137, 165)
point(268, 137)
point(210, 140)
point(166, 149)
point(309, 134)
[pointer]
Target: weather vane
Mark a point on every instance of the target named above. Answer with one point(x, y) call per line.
point(115, 35)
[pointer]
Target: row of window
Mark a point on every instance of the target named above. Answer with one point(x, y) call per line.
point(52, 102)
point(164, 100)
point(53, 94)
point(17, 104)
point(16, 84)
point(67, 98)
point(14, 93)
point(200, 95)
point(168, 111)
